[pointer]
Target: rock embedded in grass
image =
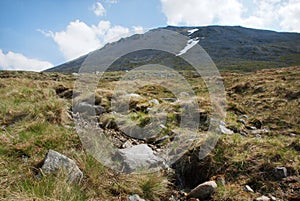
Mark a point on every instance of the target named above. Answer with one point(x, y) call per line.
point(225, 130)
point(262, 198)
point(280, 172)
point(139, 157)
point(55, 162)
point(135, 197)
point(203, 190)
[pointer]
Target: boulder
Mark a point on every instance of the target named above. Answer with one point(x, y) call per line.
point(55, 161)
point(203, 190)
point(139, 157)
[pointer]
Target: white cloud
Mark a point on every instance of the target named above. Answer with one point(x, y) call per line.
point(80, 38)
point(290, 14)
point(98, 9)
point(17, 61)
point(268, 14)
point(111, 1)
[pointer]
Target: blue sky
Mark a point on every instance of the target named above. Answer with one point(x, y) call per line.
point(37, 34)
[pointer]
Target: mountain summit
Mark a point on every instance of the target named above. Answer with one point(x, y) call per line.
point(232, 48)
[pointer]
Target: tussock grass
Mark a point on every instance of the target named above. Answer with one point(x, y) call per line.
point(35, 119)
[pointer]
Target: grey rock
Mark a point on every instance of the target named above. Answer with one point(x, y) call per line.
point(225, 130)
point(139, 157)
point(55, 161)
point(280, 172)
point(262, 198)
point(292, 134)
point(222, 123)
point(249, 189)
point(260, 131)
point(85, 107)
point(203, 190)
point(135, 197)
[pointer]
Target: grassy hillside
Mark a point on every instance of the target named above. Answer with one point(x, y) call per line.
point(35, 117)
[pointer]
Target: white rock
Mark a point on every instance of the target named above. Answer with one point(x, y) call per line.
point(135, 197)
point(225, 130)
point(249, 189)
point(262, 198)
point(134, 95)
point(154, 101)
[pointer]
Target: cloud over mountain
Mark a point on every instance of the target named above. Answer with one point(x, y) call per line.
point(79, 38)
point(265, 14)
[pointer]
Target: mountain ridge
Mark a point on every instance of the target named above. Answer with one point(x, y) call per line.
point(232, 48)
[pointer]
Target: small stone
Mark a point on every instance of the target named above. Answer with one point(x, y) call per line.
point(169, 99)
point(292, 134)
point(241, 121)
point(262, 198)
point(133, 95)
point(55, 161)
point(127, 144)
point(281, 172)
point(193, 199)
point(259, 131)
point(203, 190)
point(222, 123)
point(272, 198)
point(162, 126)
point(243, 134)
point(244, 116)
point(154, 101)
point(135, 197)
point(225, 130)
point(249, 189)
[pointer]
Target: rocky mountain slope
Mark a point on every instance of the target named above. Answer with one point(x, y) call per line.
point(232, 48)
point(256, 157)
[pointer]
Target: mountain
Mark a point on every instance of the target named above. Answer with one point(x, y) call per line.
point(232, 48)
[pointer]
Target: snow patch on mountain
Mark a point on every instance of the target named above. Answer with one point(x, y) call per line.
point(190, 43)
point(191, 31)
